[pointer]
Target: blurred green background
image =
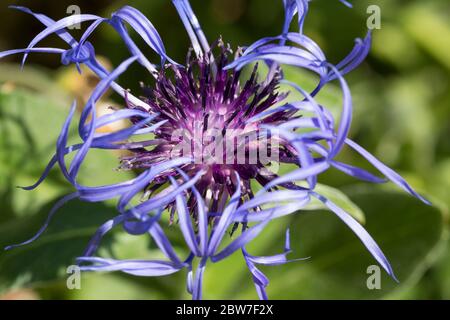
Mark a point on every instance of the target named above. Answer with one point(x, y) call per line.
point(402, 111)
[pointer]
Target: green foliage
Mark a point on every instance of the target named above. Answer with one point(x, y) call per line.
point(47, 258)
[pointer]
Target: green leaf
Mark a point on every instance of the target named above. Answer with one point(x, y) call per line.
point(393, 44)
point(113, 286)
point(433, 21)
point(47, 258)
point(439, 182)
point(32, 79)
point(443, 274)
point(407, 231)
point(29, 125)
point(339, 198)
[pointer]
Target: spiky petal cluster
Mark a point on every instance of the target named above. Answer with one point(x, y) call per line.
point(205, 108)
point(208, 198)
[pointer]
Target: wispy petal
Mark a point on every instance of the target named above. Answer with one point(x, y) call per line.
point(362, 234)
point(144, 268)
point(247, 236)
point(54, 210)
point(185, 222)
point(225, 219)
point(190, 21)
point(388, 172)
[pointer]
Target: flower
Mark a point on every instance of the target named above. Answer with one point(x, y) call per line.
point(195, 112)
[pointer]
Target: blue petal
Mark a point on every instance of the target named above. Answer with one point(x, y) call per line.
point(304, 157)
point(144, 28)
point(147, 178)
point(348, 4)
point(225, 219)
point(295, 6)
point(92, 63)
point(357, 172)
point(312, 104)
point(47, 22)
point(37, 50)
point(273, 197)
point(299, 39)
point(259, 279)
point(90, 109)
point(298, 174)
point(192, 26)
point(96, 194)
point(62, 142)
point(273, 213)
point(163, 243)
point(86, 35)
point(58, 26)
point(241, 241)
point(44, 175)
point(117, 23)
point(122, 134)
point(102, 193)
point(55, 208)
point(138, 228)
point(388, 172)
point(278, 259)
point(202, 216)
point(185, 221)
point(100, 233)
point(145, 268)
point(281, 55)
point(355, 58)
point(190, 280)
point(163, 200)
point(346, 116)
point(116, 116)
point(262, 115)
point(198, 281)
point(99, 90)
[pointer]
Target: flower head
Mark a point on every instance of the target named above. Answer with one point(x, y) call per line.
point(213, 133)
point(205, 112)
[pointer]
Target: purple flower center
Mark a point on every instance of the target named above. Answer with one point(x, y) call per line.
point(207, 111)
